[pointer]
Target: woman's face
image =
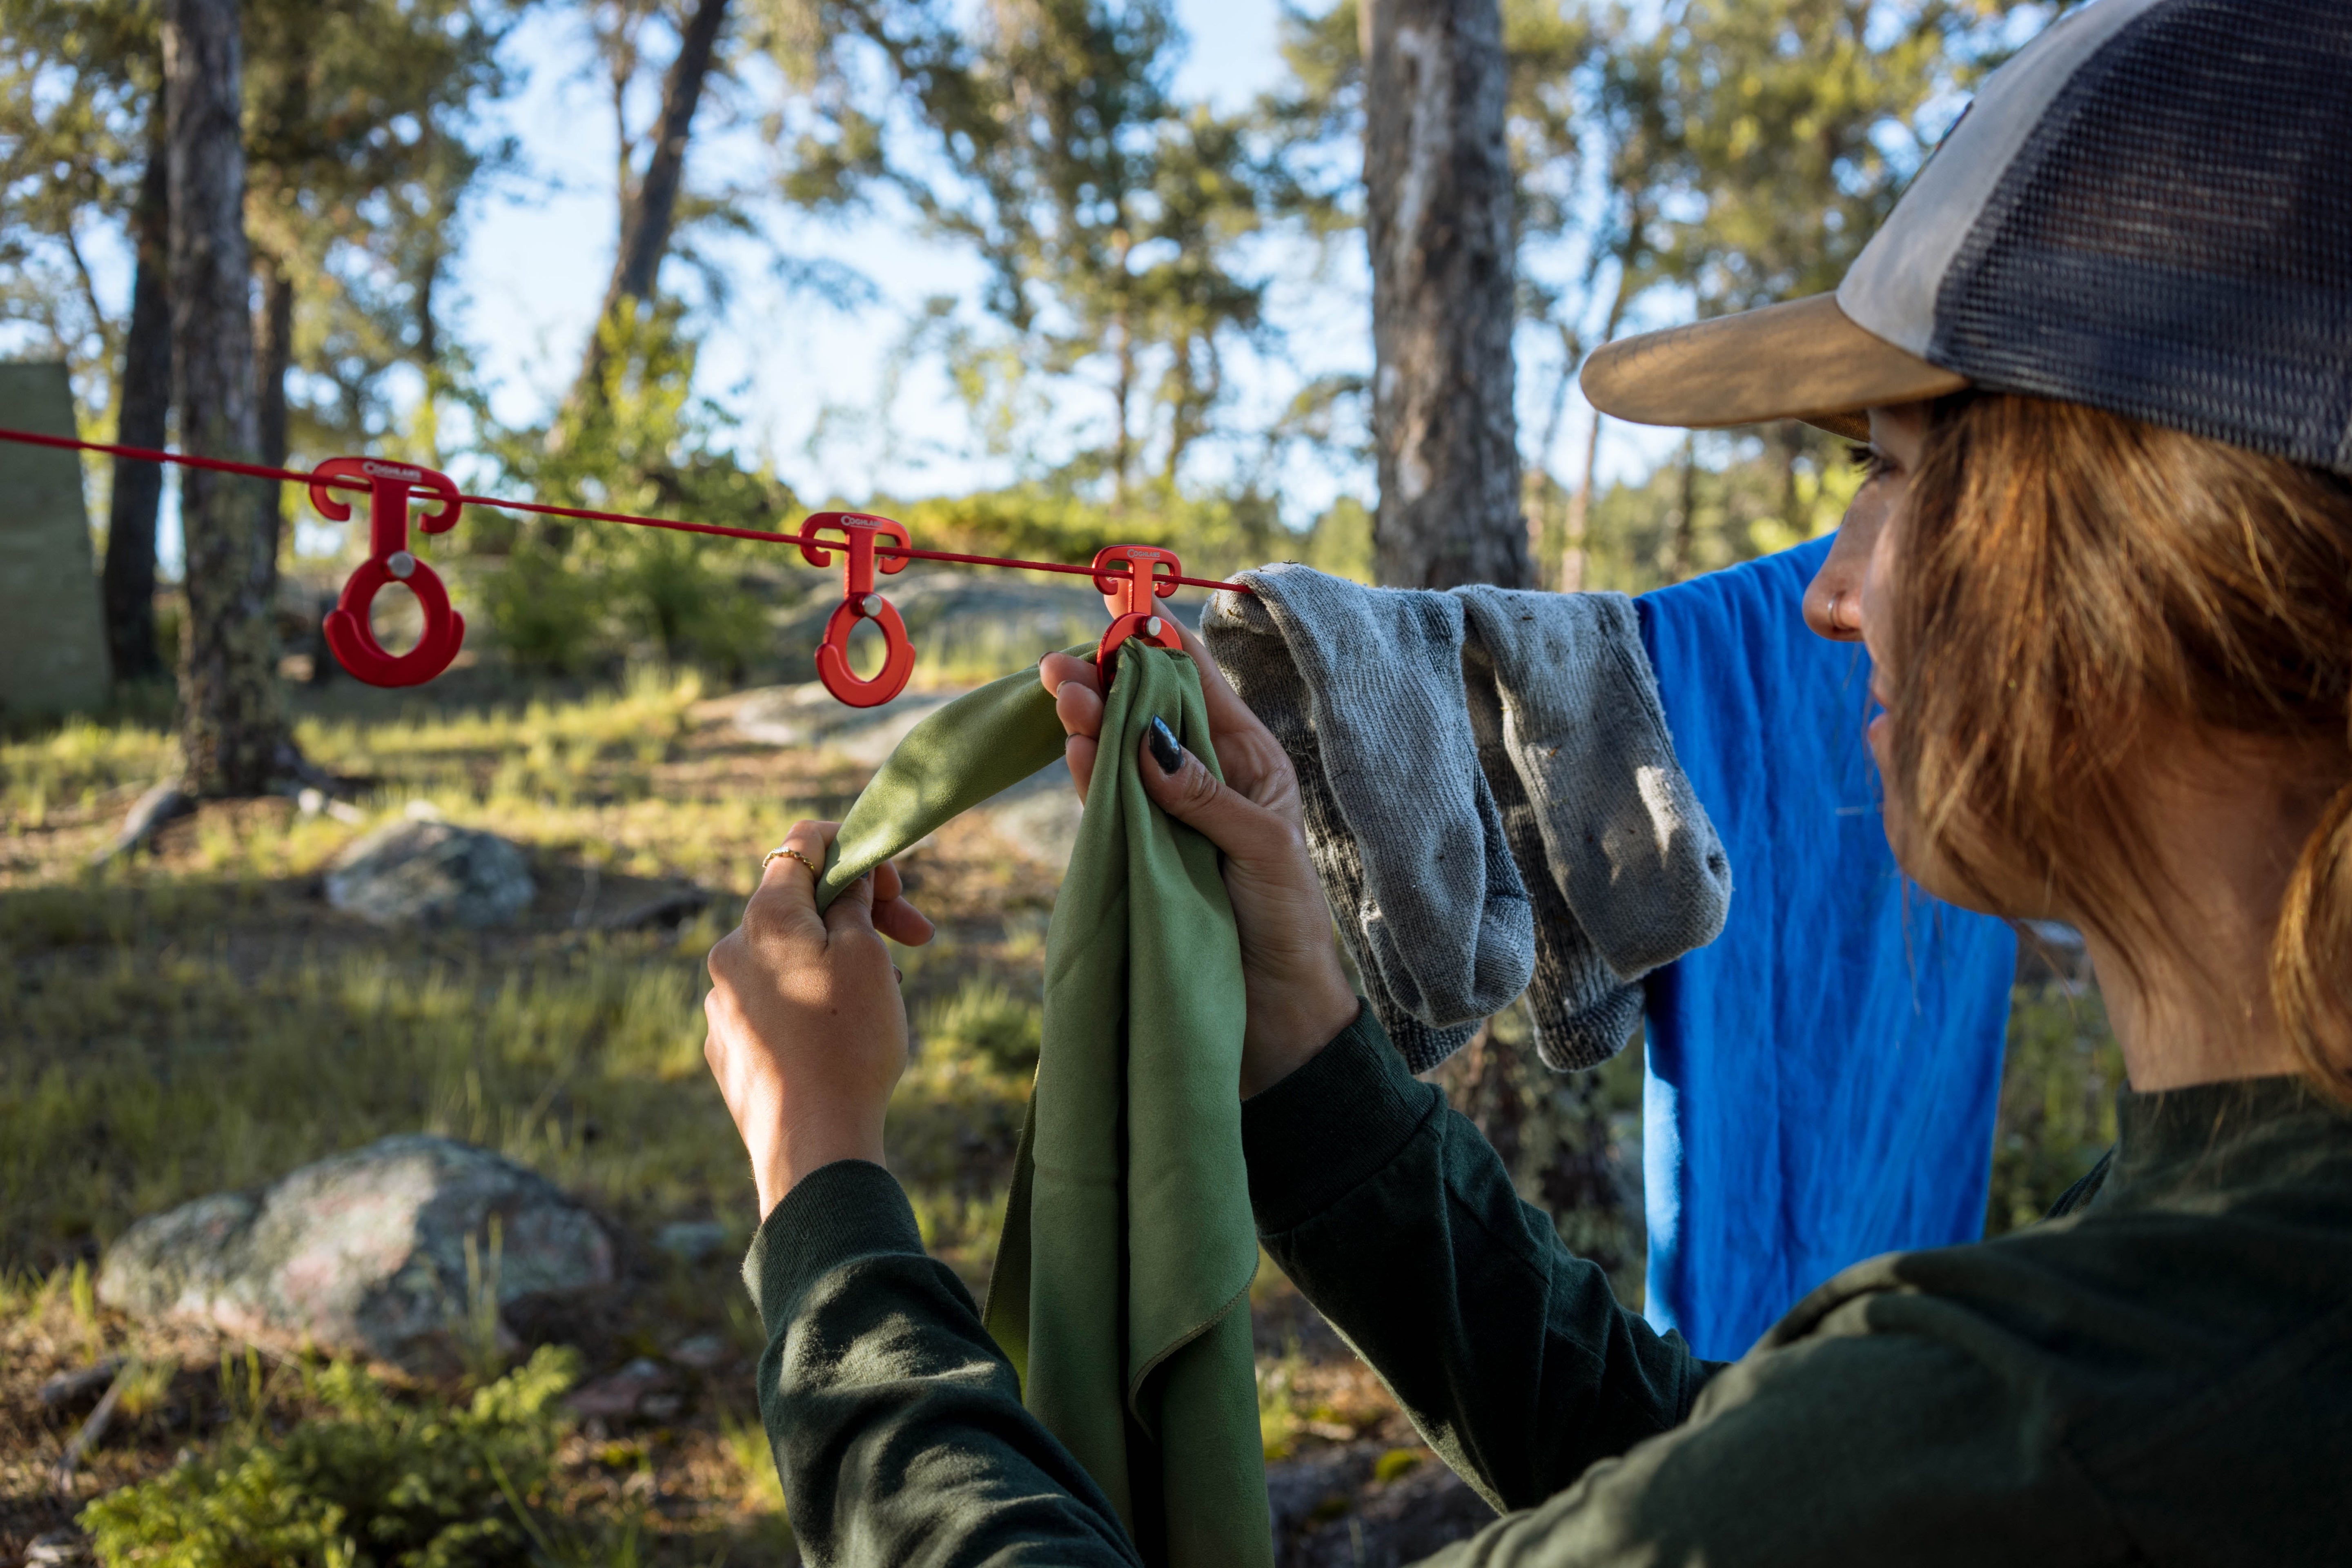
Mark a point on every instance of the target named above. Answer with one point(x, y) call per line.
point(1849, 601)
point(1896, 434)
point(1833, 600)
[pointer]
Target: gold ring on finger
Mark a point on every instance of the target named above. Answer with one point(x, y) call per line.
point(815, 870)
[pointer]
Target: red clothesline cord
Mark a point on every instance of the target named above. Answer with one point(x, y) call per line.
point(288, 476)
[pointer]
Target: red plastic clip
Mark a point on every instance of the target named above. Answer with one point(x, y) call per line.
point(347, 633)
point(860, 601)
point(1128, 577)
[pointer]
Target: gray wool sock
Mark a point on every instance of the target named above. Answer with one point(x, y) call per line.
point(1625, 842)
point(1364, 691)
point(1582, 1014)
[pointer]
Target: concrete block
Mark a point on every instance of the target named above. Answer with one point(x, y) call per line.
point(52, 634)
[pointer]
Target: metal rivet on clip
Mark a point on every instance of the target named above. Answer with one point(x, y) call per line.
point(870, 605)
point(401, 564)
point(1151, 628)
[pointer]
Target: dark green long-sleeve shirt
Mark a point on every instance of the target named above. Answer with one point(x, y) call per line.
point(2162, 1372)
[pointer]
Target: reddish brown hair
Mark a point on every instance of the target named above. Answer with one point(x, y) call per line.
point(2071, 578)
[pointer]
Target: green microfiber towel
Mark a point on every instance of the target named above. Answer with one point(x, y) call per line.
point(1120, 1290)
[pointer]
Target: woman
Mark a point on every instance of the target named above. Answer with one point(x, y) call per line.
point(2103, 566)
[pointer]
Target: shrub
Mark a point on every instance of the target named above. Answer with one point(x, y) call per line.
point(372, 1482)
point(984, 1020)
point(2058, 1084)
point(546, 616)
point(668, 588)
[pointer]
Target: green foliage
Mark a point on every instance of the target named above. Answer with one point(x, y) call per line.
point(372, 1481)
point(1212, 532)
point(1278, 1416)
point(362, 140)
point(1033, 522)
point(2058, 1087)
point(558, 596)
point(78, 79)
point(985, 1020)
point(1724, 502)
point(747, 1450)
point(1108, 212)
point(1342, 541)
point(546, 617)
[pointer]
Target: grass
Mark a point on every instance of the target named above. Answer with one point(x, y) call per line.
point(198, 1019)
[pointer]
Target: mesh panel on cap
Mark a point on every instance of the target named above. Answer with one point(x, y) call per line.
point(2174, 241)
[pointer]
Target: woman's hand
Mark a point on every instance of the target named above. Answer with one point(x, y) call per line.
point(1298, 996)
point(808, 1032)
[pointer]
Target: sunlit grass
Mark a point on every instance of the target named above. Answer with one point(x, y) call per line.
point(74, 765)
point(180, 1025)
point(165, 1073)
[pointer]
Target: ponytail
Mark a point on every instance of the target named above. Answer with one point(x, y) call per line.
point(2311, 953)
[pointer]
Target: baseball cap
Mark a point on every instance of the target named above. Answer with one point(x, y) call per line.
point(2148, 209)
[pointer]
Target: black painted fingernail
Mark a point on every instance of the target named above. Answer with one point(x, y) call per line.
point(1164, 748)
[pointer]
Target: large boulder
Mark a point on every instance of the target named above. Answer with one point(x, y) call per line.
point(423, 870)
point(364, 1253)
point(809, 715)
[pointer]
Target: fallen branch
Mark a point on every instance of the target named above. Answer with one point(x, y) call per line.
point(151, 811)
point(92, 1431)
point(70, 1387)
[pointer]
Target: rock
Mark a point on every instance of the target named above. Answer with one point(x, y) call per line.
point(1331, 1511)
point(1401, 1522)
point(971, 620)
point(617, 1396)
point(58, 1547)
point(310, 801)
point(703, 1352)
point(691, 1240)
point(667, 909)
point(421, 871)
point(160, 803)
point(1301, 1492)
point(362, 1253)
point(1039, 816)
point(809, 715)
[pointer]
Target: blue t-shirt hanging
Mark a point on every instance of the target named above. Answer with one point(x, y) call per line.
point(1822, 1079)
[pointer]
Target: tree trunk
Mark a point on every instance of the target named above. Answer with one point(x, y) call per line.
point(1552, 1132)
point(127, 583)
point(273, 358)
point(647, 218)
point(233, 737)
point(1438, 217)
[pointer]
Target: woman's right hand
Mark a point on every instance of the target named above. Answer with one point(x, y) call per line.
point(1298, 998)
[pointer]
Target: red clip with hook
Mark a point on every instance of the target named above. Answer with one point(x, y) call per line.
point(1129, 578)
point(348, 632)
point(860, 535)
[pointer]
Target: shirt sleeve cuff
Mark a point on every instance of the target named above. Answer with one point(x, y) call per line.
point(1331, 1125)
point(837, 1213)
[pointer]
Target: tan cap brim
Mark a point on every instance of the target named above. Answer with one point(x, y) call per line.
point(1804, 359)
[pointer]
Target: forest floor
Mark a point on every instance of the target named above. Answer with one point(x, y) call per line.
point(198, 1019)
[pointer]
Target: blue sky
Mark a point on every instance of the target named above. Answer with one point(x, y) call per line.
point(803, 378)
point(537, 253)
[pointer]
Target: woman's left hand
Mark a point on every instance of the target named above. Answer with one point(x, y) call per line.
point(808, 1031)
